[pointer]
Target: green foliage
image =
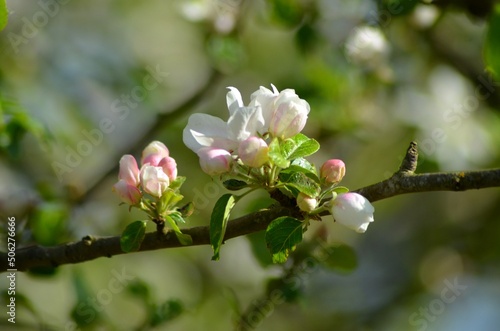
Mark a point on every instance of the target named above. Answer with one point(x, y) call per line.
point(339, 257)
point(218, 222)
point(492, 43)
point(276, 155)
point(299, 146)
point(4, 14)
point(132, 236)
point(282, 235)
point(48, 223)
point(166, 312)
point(234, 184)
point(299, 181)
point(173, 219)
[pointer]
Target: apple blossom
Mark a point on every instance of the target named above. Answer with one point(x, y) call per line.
point(332, 171)
point(352, 210)
point(154, 180)
point(129, 171)
point(214, 161)
point(253, 152)
point(154, 153)
point(169, 167)
point(128, 193)
point(306, 203)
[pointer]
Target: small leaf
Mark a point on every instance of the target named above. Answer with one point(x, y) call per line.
point(299, 146)
point(4, 14)
point(177, 217)
point(301, 182)
point(339, 257)
point(183, 238)
point(168, 200)
point(492, 43)
point(340, 189)
point(177, 183)
point(132, 236)
point(218, 222)
point(281, 237)
point(303, 163)
point(234, 184)
point(275, 154)
point(187, 210)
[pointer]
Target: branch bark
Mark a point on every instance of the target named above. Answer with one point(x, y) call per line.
point(402, 182)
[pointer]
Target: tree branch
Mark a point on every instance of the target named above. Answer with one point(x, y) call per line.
point(402, 182)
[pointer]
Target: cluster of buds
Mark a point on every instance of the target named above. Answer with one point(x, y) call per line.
point(244, 139)
point(349, 209)
point(156, 177)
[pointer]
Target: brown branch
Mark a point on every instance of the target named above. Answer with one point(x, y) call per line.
point(402, 182)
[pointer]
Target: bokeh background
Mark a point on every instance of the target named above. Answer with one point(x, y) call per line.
point(377, 74)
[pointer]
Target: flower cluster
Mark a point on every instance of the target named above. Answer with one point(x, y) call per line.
point(244, 139)
point(158, 170)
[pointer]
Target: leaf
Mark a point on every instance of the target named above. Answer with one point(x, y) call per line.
point(132, 236)
point(304, 164)
point(301, 182)
point(172, 219)
point(299, 146)
point(234, 184)
point(177, 217)
point(275, 154)
point(4, 14)
point(177, 183)
point(166, 312)
point(184, 239)
point(48, 223)
point(168, 200)
point(492, 43)
point(281, 237)
point(338, 257)
point(218, 222)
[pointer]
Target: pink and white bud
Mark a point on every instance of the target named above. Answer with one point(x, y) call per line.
point(332, 171)
point(154, 180)
point(306, 203)
point(129, 171)
point(253, 152)
point(129, 194)
point(290, 116)
point(352, 210)
point(214, 161)
point(169, 167)
point(154, 153)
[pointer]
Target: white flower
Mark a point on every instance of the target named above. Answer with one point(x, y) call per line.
point(210, 131)
point(352, 210)
point(367, 46)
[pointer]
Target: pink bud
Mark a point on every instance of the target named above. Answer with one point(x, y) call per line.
point(352, 210)
point(253, 152)
point(154, 153)
point(154, 181)
point(332, 171)
point(215, 161)
point(129, 194)
point(169, 167)
point(129, 171)
point(306, 203)
point(290, 116)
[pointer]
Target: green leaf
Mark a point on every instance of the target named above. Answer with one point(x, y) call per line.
point(187, 210)
point(4, 14)
point(166, 312)
point(183, 238)
point(301, 182)
point(172, 219)
point(234, 184)
point(492, 43)
point(281, 237)
point(304, 164)
point(132, 236)
point(299, 146)
point(177, 183)
point(177, 217)
point(218, 222)
point(338, 257)
point(48, 223)
point(275, 154)
point(168, 200)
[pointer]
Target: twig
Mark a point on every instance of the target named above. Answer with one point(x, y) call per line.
point(402, 182)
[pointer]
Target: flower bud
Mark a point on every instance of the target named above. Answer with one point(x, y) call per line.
point(169, 167)
point(129, 171)
point(154, 180)
point(253, 152)
point(352, 210)
point(332, 171)
point(290, 115)
point(129, 194)
point(306, 203)
point(214, 161)
point(154, 153)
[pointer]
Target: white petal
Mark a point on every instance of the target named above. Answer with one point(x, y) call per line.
point(245, 123)
point(205, 130)
point(234, 100)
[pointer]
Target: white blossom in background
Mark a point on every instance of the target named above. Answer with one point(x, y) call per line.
point(367, 46)
point(424, 16)
point(222, 13)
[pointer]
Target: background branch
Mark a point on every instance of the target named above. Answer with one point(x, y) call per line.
point(402, 182)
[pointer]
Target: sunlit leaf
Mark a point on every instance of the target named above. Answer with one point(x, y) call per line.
point(276, 155)
point(4, 14)
point(281, 237)
point(299, 146)
point(301, 182)
point(218, 222)
point(132, 236)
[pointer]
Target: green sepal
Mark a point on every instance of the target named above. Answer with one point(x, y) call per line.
point(132, 236)
point(234, 184)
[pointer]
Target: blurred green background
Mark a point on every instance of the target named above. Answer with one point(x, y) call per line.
point(377, 74)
